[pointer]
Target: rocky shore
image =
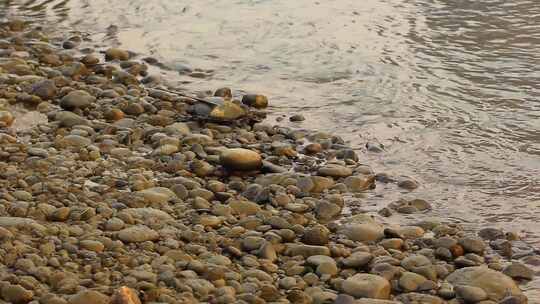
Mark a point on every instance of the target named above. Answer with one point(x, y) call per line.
point(133, 192)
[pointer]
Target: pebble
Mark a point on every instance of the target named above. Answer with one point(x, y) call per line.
point(20, 223)
point(365, 285)
point(363, 232)
point(491, 234)
point(45, 89)
point(61, 214)
point(518, 271)
point(241, 159)
point(116, 54)
point(243, 207)
point(137, 234)
point(297, 118)
point(313, 148)
point(473, 244)
point(227, 111)
point(226, 93)
point(470, 294)
point(335, 171)
point(344, 299)
point(358, 259)
point(408, 184)
point(412, 206)
point(75, 141)
point(6, 118)
point(91, 245)
point(414, 297)
point(317, 235)
point(497, 285)
point(256, 101)
point(320, 184)
point(89, 297)
point(90, 60)
point(125, 295)
point(16, 294)
point(77, 99)
point(157, 195)
point(410, 281)
point(306, 250)
point(359, 183)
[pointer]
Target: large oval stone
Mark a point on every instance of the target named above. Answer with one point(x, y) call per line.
point(497, 285)
point(157, 195)
point(364, 285)
point(239, 159)
point(227, 111)
point(363, 232)
point(137, 234)
point(77, 100)
point(335, 171)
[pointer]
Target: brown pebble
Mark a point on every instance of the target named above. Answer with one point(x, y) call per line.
point(6, 118)
point(90, 60)
point(125, 295)
point(60, 214)
point(114, 114)
point(255, 100)
point(116, 54)
point(457, 251)
point(16, 294)
point(224, 92)
point(313, 148)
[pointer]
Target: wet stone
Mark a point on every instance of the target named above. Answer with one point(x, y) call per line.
point(408, 184)
point(473, 244)
point(359, 183)
point(116, 54)
point(518, 271)
point(297, 118)
point(491, 234)
point(256, 101)
point(90, 60)
point(223, 92)
point(228, 111)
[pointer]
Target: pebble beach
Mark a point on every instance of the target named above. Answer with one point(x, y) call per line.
point(121, 189)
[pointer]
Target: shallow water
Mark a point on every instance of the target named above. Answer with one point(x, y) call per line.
point(451, 88)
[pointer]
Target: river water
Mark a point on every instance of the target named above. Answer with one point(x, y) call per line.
point(451, 88)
